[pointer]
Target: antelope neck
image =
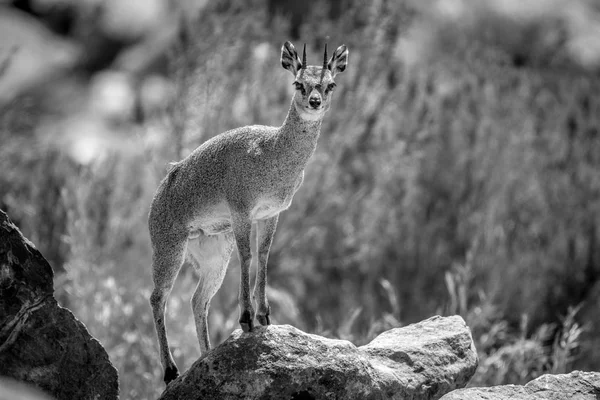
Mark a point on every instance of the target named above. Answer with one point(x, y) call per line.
point(298, 134)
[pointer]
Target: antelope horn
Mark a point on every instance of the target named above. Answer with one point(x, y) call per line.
point(304, 57)
point(324, 63)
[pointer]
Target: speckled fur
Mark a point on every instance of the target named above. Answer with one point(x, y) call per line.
point(208, 201)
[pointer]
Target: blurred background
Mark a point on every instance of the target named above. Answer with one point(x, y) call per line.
point(457, 171)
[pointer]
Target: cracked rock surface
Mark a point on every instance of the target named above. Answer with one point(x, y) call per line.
point(40, 342)
point(577, 386)
point(419, 361)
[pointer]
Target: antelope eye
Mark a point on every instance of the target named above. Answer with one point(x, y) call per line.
point(300, 87)
point(330, 87)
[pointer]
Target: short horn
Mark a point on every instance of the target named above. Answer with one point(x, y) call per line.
point(303, 57)
point(324, 63)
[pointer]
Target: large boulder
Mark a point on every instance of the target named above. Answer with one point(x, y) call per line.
point(420, 361)
point(40, 342)
point(576, 385)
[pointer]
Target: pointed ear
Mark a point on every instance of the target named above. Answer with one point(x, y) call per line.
point(339, 60)
point(290, 59)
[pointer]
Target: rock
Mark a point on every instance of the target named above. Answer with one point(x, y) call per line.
point(40, 342)
point(576, 385)
point(420, 361)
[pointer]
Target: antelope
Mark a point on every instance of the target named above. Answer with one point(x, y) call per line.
point(208, 201)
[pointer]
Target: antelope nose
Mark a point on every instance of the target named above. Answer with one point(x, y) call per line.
point(314, 101)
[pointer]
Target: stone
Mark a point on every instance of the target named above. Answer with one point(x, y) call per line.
point(419, 361)
point(574, 386)
point(42, 343)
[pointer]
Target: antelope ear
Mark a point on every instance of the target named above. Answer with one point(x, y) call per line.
point(290, 59)
point(339, 60)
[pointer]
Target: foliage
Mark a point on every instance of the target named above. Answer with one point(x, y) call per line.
point(463, 182)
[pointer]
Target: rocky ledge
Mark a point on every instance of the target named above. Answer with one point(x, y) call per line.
point(576, 385)
point(420, 361)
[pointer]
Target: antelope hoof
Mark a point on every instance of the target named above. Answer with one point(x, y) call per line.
point(246, 321)
point(247, 326)
point(264, 319)
point(171, 373)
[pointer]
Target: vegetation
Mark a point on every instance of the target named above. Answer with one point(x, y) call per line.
point(456, 173)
